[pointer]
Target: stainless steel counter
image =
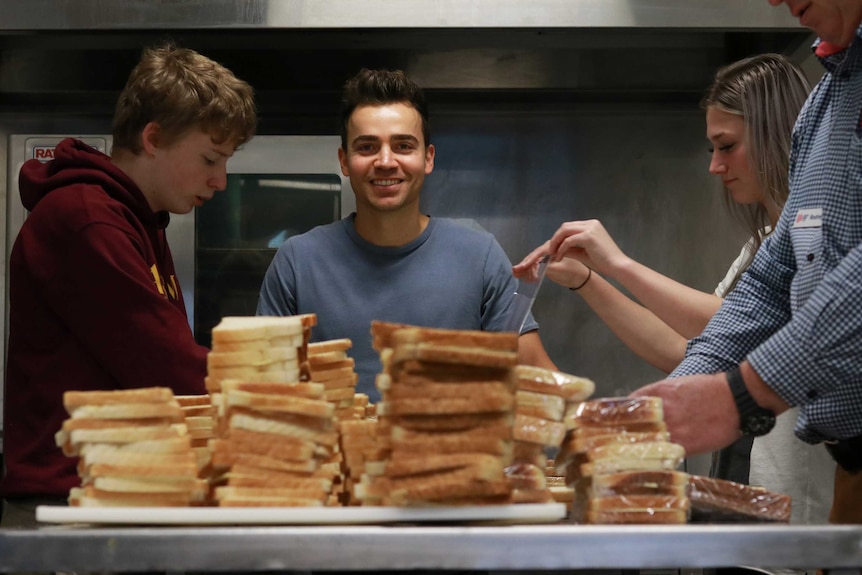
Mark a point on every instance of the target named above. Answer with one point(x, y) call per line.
point(550, 547)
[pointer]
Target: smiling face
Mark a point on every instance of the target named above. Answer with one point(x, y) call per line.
point(186, 172)
point(386, 157)
point(834, 21)
point(726, 135)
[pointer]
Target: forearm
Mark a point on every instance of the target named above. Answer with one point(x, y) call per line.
point(751, 314)
point(532, 352)
point(637, 327)
point(685, 310)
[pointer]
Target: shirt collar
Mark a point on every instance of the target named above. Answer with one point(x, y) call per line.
point(832, 56)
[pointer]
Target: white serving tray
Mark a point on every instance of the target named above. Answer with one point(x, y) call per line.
point(520, 513)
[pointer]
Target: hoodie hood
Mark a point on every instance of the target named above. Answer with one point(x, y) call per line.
point(75, 164)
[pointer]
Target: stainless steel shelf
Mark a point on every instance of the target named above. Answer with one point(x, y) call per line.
point(552, 547)
point(196, 14)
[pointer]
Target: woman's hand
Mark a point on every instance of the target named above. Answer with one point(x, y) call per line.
point(567, 272)
point(588, 242)
point(528, 268)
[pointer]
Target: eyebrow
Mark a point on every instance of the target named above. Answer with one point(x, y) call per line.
point(717, 135)
point(215, 150)
point(396, 137)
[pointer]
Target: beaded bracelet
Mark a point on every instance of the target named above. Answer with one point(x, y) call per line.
point(589, 275)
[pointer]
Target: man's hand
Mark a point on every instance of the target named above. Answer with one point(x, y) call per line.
point(699, 411)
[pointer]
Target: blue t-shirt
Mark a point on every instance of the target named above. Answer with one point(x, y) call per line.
point(451, 276)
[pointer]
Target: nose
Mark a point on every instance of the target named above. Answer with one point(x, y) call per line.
point(716, 166)
point(218, 180)
point(385, 158)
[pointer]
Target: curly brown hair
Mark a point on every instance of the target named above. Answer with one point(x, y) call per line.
point(182, 90)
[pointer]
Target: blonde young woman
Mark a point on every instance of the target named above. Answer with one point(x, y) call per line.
point(751, 108)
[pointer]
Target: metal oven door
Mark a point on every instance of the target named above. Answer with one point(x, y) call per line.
point(278, 186)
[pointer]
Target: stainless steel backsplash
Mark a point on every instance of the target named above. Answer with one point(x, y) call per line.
point(641, 170)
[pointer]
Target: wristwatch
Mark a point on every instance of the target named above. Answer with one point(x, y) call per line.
point(753, 419)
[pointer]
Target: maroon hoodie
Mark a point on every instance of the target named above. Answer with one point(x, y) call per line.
point(94, 305)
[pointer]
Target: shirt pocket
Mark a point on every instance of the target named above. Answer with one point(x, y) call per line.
point(807, 251)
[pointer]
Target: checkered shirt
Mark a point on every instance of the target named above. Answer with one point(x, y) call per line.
point(796, 314)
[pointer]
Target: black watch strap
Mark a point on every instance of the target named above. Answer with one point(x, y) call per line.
point(753, 419)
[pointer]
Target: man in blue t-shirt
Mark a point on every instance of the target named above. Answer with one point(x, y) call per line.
point(388, 261)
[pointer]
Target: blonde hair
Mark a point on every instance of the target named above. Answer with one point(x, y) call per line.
point(768, 91)
point(182, 90)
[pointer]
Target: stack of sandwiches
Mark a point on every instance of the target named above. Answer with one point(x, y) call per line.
point(556, 482)
point(618, 456)
point(445, 420)
point(134, 449)
point(199, 417)
point(267, 349)
point(543, 398)
point(359, 444)
point(330, 366)
point(275, 430)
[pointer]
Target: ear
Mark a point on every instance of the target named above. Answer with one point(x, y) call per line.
point(150, 137)
point(342, 159)
point(429, 159)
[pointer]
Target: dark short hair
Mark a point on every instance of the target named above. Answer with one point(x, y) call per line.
point(378, 88)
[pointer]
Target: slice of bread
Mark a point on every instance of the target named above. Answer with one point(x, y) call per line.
point(252, 358)
point(400, 335)
point(416, 372)
point(336, 345)
point(633, 516)
point(304, 389)
point(233, 460)
point(306, 492)
point(637, 451)
point(281, 403)
point(110, 455)
point(144, 485)
point(489, 403)
point(542, 405)
point(322, 375)
point(279, 427)
point(330, 360)
point(451, 422)
point(616, 411)
point(277, 446)
point(424, 463)
point(637, 503)
point(455, 354)
point(571, 388)
point(245, 328)
point(262, 501)
point(400, 390)
point(169, 409)
point(75, 399)
point(537, 430)
point(192, 400)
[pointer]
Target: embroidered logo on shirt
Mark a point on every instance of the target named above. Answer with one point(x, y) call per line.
point(810, 218)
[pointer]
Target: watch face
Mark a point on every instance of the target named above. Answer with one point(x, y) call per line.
point(758, 424)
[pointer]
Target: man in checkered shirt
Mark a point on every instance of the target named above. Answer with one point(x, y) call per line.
point(794, 320)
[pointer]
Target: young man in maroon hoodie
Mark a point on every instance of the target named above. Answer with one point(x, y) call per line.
point(94, 299)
